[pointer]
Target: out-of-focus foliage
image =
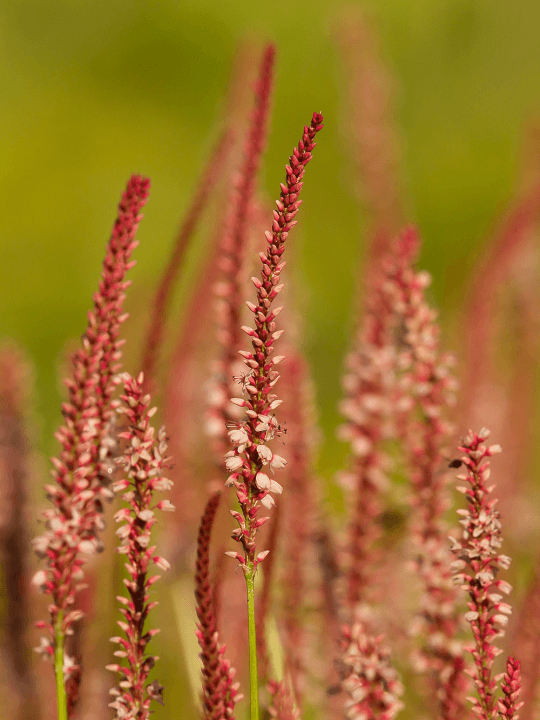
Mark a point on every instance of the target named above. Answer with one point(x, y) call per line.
point(92, 91)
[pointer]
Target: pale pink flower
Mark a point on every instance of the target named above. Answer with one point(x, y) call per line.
point(277, 462)
point(234, 463)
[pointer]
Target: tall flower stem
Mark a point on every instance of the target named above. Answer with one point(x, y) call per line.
point(253, 673)
point(61, 697)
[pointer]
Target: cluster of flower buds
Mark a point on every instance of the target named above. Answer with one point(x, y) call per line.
point(144, 462)
point(251, 455)
point(511, 689)
point(478, 564)
point(367, 676)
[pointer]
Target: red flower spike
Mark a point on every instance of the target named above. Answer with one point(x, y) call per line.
point(83, 470)
point(15, 379)
point(511, 688)
point(282, 706)
point(261, 426)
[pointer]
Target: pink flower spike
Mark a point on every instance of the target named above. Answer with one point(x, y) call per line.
point(369, 680)
point(143, 462)
point(478, 551)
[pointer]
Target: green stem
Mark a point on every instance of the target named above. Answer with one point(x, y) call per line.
point(253, 675)
point(61, 699)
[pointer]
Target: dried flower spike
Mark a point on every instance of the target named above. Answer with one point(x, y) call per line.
point(477, 567)
point(144, 462)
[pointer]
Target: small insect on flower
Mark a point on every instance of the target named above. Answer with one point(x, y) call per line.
point(269, 425)
point(243, 380)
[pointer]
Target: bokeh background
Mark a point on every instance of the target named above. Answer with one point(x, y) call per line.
point(92, 91)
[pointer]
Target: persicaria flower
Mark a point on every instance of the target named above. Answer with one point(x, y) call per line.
point(238, 436)
point(478, 564)
point(371, 683)
point(143, 461)
point(253, 485)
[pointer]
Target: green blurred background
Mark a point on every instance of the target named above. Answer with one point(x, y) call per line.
point(92, 91)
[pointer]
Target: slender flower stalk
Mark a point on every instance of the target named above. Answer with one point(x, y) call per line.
point(477, 566)
point(186, 374)
point(500, 323)
point(80, 473)
point(144, 462)
point(14, 483)
point(219, 689)
point(230, 289)
point(161, 302)
point(251, 455)
point(480, 312)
